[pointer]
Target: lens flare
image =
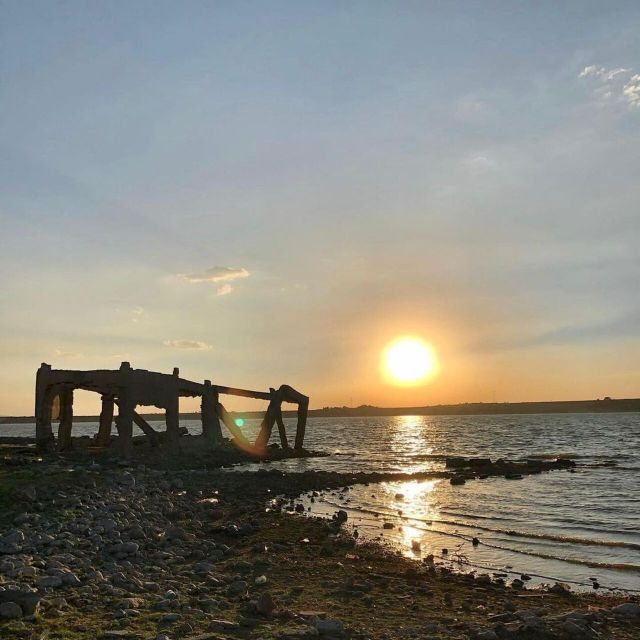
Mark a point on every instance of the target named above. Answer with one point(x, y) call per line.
point(239, 422)
point(409, 361)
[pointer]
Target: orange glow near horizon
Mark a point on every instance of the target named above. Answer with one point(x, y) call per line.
point(409, 361)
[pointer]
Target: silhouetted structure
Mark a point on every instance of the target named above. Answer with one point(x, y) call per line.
point(127, 388)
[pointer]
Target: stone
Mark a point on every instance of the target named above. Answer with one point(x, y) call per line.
point(223, 625)
point(330, 627)
point(130, 603)
point(627, 610)
point(130, 547)
point(237, 587)
point(13, 536)
point(29, 601)
point(49, 582)
point(487, 634)
point(70, 579)
point(10, 610)
point(26, 493)
point(108, 524)
point(175, 533)
point(264, 605)
point(171, 617)
point(574, 630)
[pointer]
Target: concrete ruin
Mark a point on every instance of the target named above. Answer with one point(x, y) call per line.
point(128, 388)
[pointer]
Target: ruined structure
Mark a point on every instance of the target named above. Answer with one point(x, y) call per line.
point(128, 388)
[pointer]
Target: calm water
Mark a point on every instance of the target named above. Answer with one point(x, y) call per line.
point(555, 526)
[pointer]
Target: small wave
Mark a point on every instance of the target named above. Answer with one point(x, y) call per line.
point(509, 532)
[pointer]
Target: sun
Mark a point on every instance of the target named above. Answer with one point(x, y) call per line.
point(409, 361)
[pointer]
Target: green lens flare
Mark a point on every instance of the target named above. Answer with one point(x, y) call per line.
point(239, 422)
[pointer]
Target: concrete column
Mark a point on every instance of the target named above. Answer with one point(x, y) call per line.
point(303, 409)
point(268, 421)
point(124, 426)
point(126, 407)
point(106, 420)
point(66, 419)
point(42, 413)
point(211, 429)
point(284, 443)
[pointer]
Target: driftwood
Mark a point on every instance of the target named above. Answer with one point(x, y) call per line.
point(129, 388)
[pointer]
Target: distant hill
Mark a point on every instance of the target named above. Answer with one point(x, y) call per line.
point(606, 405)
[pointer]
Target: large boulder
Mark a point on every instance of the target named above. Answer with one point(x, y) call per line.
point(28, 601)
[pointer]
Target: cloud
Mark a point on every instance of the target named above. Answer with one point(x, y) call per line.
point(189, 345)
point(631, 91)
point(224, 290)
point(618, 85)
point(479, 163)
point(69, 355)
point(216, 274)
point(600, 72)
point(136, 314)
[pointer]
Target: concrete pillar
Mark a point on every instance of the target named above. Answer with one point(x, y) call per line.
point(284, 443)
point(66, 419)
point(268, 421)
point(211, 429)
point(124, 426)
point(172, 419)
point(303, 409)
point(42, 413)
point(106, 420)
point(126, 407)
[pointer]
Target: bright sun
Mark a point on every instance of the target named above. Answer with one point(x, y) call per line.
point(407, 361)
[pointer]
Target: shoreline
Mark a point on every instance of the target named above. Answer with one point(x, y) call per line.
point(606, 405)
point(138, 551)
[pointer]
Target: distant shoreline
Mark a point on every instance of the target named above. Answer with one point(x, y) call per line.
point(607, 405)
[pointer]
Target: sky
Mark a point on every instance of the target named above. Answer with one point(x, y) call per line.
point(269, 192)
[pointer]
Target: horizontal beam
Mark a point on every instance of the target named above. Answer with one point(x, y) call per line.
point(245, 393)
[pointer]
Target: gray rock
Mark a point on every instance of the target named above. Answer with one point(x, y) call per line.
point(223, 625)
point(487, 634)
point(10, 610)
point(175, 533)
point(26, 493)
point(237, 586)
point(13, 536)
point(171, 617)
point(264, 605)
point(108, 524)
point(329, 627)
point(70, 579)
point(627, 610)
point(49, 582)
point(574, 630)
point(28, 600)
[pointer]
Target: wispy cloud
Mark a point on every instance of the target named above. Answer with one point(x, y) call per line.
point(136, 313)
point(631, 91)
point(224, 290)
point(189, 345)
point(216, 275)
point(67, 355)
point(620, 84)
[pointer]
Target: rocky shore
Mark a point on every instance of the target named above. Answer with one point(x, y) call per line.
point(91, 550)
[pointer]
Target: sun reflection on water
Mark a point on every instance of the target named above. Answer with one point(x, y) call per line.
point(411, 501)
point(411, 442)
